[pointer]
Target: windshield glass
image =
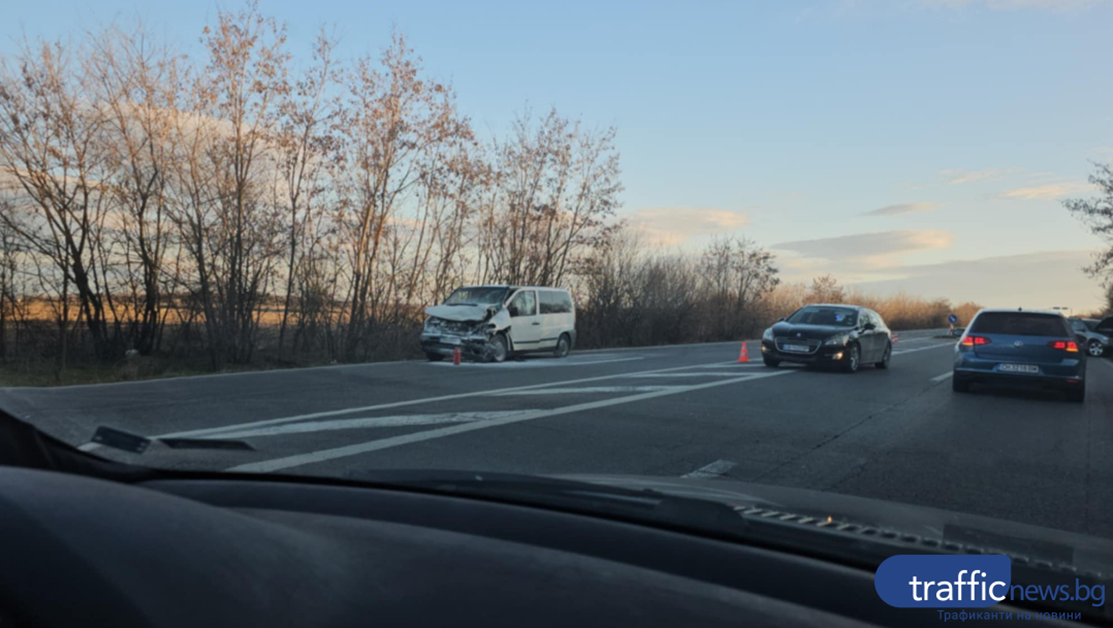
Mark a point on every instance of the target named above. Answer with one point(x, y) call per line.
point(1019, 324)
point(751, 240)
point(477, 296)
point(824, 315)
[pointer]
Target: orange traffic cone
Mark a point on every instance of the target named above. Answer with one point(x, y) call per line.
point(456, 356)
point(743, 357)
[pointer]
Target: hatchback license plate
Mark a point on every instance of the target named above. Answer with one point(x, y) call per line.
point(1019, 368)
point(797, 348)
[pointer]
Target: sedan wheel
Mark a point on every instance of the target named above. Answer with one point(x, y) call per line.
point(851, 365)
point(1095, 349)
point(884, 363)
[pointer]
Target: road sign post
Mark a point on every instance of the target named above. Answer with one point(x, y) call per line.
point(952, 319)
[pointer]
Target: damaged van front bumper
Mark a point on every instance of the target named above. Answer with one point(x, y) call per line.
point(470, 345)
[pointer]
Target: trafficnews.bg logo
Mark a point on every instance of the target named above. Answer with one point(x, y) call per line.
point(970, 581)
point(924, 581)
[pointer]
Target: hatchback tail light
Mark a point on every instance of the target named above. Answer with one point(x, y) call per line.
point(1069, 346)
point(971, 341)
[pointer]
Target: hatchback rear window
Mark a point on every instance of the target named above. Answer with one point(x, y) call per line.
point(1020, 324)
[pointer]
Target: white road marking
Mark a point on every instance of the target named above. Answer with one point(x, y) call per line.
point(733, 364)
point(583, 391)
point(530, 363)
point(945, 344)
point(939, 378)
point(324, 455)
point(700, 374)
point(399, 404)
point(713, 470)
point(405, 420)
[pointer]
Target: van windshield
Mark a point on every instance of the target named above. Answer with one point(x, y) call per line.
point(477, 295)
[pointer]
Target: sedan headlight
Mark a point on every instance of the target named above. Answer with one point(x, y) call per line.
point(768, 335)
point(432, 324)
point(838, 339)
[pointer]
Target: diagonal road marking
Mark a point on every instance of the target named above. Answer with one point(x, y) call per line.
point(716, 469)
point(405, 420)
point(324, 455)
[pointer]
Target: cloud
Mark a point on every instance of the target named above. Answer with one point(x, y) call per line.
point(1043, 192)
point(872, 249)
point(1034, 280)
point(959, 177)
point(666, 226)
point(903, 208)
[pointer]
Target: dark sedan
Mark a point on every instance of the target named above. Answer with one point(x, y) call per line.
point(846, 336)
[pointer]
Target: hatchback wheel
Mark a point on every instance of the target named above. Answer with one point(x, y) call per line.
point(1095, 349)
point(959, 385)
point(853, 354)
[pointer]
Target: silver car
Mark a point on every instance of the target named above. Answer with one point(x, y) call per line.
point(1094, 343)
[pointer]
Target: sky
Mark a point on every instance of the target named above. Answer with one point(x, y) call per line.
point(915, 145)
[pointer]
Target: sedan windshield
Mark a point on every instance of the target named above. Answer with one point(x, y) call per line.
point(477, 295)
point(824, 315)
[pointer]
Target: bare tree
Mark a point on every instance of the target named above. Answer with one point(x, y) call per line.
point(304, 142)
point(557, 186)
point(138, 87)
point(393, 120)
point(1097, 215)
point(49, 147)
point(230, 229)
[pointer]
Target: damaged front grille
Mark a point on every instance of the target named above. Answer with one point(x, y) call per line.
point(458, 327)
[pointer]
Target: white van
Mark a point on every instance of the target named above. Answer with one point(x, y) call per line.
point(491, 323)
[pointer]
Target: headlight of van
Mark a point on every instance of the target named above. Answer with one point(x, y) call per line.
point(432, 324)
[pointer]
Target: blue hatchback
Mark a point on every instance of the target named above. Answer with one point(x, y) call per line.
point(1023, 349)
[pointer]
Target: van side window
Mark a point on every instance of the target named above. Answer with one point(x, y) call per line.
point(565, 301)
point(525, 303)
point(553, 302)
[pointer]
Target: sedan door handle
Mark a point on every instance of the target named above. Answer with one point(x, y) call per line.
point(535, 323)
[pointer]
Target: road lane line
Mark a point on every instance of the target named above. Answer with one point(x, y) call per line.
point(325, 455)
point(716, 469)
point(939, 378)
point(400, 404)
point(584, 391)
point(945, 344)
point(404, 420)
point(701, 374)
point(531, 363)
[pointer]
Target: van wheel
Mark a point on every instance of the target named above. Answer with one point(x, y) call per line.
point(563, 346)
point(497, 349)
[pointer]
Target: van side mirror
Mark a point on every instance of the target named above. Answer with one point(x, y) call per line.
point(513, 309)
point(869, 327)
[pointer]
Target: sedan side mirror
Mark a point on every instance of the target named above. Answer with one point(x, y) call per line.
point(781, 319)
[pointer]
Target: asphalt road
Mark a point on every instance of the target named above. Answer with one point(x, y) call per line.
point(899, 434)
